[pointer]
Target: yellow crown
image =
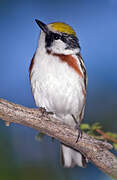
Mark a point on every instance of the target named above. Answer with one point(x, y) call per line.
point(62, 27)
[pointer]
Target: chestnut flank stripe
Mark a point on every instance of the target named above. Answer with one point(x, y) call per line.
point(71, 61)
point(31, 66)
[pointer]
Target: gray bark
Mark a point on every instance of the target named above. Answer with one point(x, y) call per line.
point(95, 150)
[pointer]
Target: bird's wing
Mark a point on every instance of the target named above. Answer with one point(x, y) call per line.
point(83, 68)
point(31, 66)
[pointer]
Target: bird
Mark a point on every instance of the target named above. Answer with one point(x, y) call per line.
point(58, 80)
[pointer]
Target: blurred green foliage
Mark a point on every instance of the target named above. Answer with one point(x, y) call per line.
point(93, 131)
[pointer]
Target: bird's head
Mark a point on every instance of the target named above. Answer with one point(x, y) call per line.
point(58, 38)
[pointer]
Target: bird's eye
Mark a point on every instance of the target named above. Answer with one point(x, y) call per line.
point(63, 38)
point(56, 36)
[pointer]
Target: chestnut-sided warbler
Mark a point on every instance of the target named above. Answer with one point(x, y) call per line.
point(58, 80)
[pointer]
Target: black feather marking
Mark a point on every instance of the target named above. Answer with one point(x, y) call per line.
point(83, 68)
point(71, 41)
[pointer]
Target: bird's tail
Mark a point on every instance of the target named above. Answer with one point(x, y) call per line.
point(71, 157)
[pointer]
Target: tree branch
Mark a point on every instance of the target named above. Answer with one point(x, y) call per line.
point(105, 136)
point(96, 151)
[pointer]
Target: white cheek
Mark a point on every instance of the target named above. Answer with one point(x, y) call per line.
point(58, 46)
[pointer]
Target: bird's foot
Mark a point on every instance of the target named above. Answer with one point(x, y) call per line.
point(77, 127)
point(44, 112)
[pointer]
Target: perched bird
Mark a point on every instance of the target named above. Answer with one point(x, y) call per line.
point(58, 80)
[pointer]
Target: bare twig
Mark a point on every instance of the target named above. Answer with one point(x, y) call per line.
point(95, 150)
point(105, 136)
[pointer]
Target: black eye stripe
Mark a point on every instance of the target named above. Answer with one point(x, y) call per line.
point(56, 36)
point(70, 40)
point(49, 39)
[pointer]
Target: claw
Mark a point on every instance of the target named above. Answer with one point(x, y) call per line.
point(42, 109)
point(77, 127)
point(44, 112)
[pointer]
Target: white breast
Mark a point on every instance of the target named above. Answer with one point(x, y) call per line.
point(56, 86)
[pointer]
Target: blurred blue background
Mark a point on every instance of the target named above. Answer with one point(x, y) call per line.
point(21, 156)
